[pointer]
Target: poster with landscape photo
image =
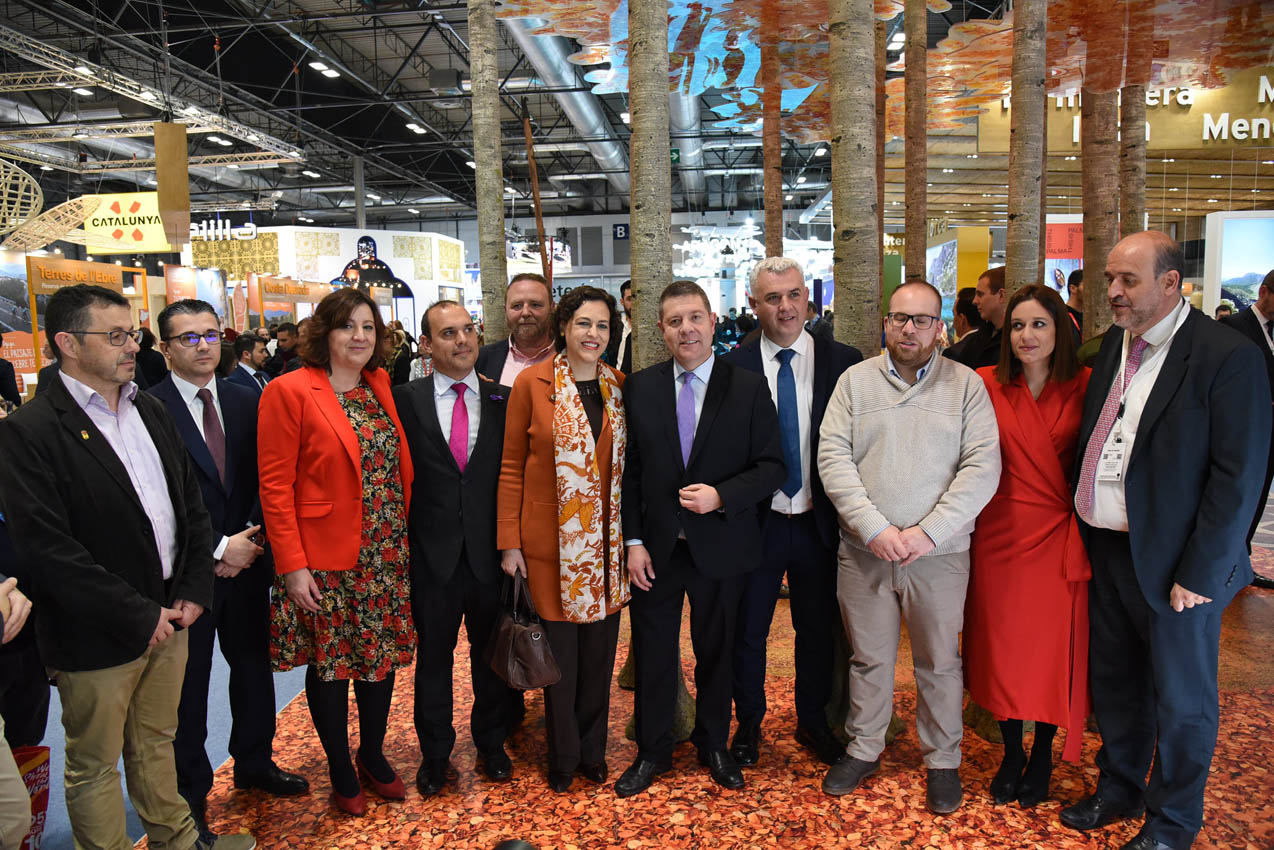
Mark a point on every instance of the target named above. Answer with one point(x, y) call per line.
point(1247, 255)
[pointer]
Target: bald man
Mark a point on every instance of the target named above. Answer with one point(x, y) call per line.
point(1172, 452)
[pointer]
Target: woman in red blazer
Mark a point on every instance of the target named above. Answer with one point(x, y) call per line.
point(335, 485)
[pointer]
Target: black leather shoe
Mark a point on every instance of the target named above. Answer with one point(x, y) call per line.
point(746, 746)
point(496, 765)
point(1145, 842)
point(944, 793)
point(1007, 780)
point(821, 742)
point(1094, 812)
point(1033, 789)
point(638, 776)
point(433, 776)
point(273, 780)
point(560, 781)
point(593, 771)
point(723, 768)
point(847, 774)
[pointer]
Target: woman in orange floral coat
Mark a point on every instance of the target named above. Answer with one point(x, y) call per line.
point(557, 523)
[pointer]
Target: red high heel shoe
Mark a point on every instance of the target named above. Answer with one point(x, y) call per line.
point(389, 790)
point(356, 805)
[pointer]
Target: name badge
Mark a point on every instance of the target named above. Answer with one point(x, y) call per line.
point(1111, 466)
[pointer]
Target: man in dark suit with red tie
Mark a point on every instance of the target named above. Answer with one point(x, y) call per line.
point(703, 454)
point(1172, 453)
point(800, 530)
point(454, 422)
point(217, 422)
point(250, 356)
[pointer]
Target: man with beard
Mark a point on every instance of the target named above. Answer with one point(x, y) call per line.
point(909, 455)
point(528, 310)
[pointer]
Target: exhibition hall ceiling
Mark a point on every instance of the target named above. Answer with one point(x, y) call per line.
point(282, 97)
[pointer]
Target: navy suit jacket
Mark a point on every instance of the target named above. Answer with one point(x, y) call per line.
point(491, 359)
point(1197, 464)
point(234, 505)
point(239, 375)
point(831, 359)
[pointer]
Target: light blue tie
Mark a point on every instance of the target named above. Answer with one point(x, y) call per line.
point(789, 423)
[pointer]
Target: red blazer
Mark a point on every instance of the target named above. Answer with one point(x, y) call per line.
point(310, 470)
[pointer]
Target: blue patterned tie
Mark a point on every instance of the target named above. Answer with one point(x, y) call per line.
point(686, 416)
point(789, 423)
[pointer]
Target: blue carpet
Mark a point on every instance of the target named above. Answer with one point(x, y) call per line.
point(57, 832)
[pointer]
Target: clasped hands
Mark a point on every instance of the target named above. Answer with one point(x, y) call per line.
point(239, 553)
point(902, 546)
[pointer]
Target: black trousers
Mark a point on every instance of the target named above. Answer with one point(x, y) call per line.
point(1154, 684)
point(793, 546)
point(438, 610)
point(240, 619)
point(24, 690)
point(577, 708)
point(656, 615)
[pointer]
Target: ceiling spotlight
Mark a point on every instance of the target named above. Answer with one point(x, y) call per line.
point(295, 154)
point(948, 171)
point(1176, 209)
point(151, 181)
point(510, 190)
point(216, 139)
point(413, 211)
point(971, 156)
point(79, 134)
point(313, 175)
point(318, 66)
point(1168, 160)
point(472, 165)
point(1212, 200)
point(119, 262)
point(1071, 158)
point(787, 197)
point(190, 110)
point(82, 92)
point(373, 196)
point(148, 95)
point(1174, 189)
point(625, 117)
point(232, 165)
point(46, 168)
point(331, 74)
point(57, 250)
point(800, 179)
point(84, 69)
point(1216, 176)
point(821, 152)
point(749, 220)
point(252, 137)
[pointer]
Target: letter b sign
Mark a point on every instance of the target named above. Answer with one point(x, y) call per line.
point(619, 231)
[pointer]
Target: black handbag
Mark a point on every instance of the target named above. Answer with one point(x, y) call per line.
point(518, 649)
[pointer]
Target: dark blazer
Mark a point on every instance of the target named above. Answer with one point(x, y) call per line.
point(71, 507)
point(9, 383)
point(831, 358)
point(447, 495)
point(234, 505)
point(491, 359)
point(239, 376)
point(736, 450)
point(977, 350)
point(1246, 323)
point(1197, 463)
point(153, 365)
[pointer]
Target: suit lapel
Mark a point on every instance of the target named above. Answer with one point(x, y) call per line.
point(235, 439)
point(487, 424)
point(667, 405)
point(1168, 381)
point(426, 410)
point(167, 392)
point(1099, 384)
point(822, 385)
point(718, 383)
point(327, 402)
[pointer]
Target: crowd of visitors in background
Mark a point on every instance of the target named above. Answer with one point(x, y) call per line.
point(339, 496)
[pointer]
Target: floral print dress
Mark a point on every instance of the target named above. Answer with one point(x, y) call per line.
point(364, 626)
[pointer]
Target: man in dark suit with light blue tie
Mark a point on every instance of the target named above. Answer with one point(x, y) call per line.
point(250, 356)
point(799, 525)
point(217, 422)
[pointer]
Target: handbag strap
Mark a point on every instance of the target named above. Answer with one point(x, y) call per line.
point(520, 589)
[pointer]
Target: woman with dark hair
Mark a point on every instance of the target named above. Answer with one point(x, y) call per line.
point(557, 522)
point(1026, 615)
point(335, 485)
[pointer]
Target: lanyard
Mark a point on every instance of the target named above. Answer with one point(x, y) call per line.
point(1123, 361)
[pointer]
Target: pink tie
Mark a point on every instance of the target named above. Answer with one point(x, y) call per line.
point(1106, 421)
point(460, 428)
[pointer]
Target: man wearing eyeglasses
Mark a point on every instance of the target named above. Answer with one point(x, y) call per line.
point(909, 455)
point(98, 489)
point(217, 421)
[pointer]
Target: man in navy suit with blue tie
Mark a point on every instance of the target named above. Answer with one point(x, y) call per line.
point(217, 421)
point(250, 356)
point(799, 524)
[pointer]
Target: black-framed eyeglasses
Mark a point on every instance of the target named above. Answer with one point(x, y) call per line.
point(190, 340)
point(116, 338)
point(922, 321)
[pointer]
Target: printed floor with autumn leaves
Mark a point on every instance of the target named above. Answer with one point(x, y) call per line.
point(782, 805)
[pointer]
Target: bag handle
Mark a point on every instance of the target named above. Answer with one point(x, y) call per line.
point(517, 587)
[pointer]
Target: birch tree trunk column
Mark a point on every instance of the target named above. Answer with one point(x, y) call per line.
point(772, 130)
point(916, 26)
point(1099, 122)
point(856, 237)
point(882, 59)
point(1132, 159)
point(1026, 145)
point(484, 73)
point(650, 199)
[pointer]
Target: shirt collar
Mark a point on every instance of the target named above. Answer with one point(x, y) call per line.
point(443, 384)
point(770, 349)
point(1163, 329)
point(84, 394)
point(188, 390)
point(703, 371)
point(251, 372)
point(920, 373)
point(1260, 317)
point(534, 358)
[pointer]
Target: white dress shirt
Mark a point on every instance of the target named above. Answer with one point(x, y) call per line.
point(188, 391)
point(803, 372)
point(1110, 510)
point(445, 404)
point(252, 373)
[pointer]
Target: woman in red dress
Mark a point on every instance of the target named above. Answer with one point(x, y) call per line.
point(1026, 616)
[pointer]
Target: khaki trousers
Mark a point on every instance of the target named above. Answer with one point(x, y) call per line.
point(129, 710)
point(15, 804)
point(875, 596)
